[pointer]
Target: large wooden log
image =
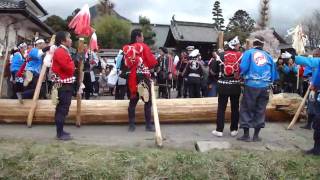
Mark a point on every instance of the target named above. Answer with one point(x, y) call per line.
point(112, 111)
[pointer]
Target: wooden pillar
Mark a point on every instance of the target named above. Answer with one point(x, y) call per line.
point(220, 40)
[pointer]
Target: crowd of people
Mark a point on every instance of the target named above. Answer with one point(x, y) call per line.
point(187, 74)
point(230, 72)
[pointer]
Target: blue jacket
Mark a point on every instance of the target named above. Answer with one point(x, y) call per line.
point(288, 69)
point(313, 63)
point(17, 62)
point(35, 63)
point(258, 69)
point(308, 71)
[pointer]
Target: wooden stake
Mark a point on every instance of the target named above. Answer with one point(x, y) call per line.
point(297, 115)
point(156, 117)
point(38, 88)
point(3, 69)
point(80, 80)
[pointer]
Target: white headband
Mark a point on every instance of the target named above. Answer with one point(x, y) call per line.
point(39, 41)
point(286, 55)
point(22, 45)
point(233, 42)
point(258, 40)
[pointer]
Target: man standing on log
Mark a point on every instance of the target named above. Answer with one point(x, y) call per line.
point(314, 97)
point(139, 60)
point(17, 62)
point(62, 76)
point(259, 71)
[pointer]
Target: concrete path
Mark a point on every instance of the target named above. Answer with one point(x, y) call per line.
point(181, 136)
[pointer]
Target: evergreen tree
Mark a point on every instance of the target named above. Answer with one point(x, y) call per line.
point(217, 16)
point(241, 24)
point(147, 31)
point(56, 23)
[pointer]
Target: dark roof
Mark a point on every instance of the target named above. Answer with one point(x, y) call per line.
point(279, 38)
point(40, 7)
point(7, 7)
point(6, 4)
point(193, 32)
point(161, 31)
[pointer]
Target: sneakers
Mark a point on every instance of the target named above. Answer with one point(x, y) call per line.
point(217, 133)
point(220, 134)
point(234, 133)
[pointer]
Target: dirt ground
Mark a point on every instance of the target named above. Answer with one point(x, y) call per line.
point(177, 136)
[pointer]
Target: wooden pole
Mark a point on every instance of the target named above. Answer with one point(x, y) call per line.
point(298, 79)
point(80, 80)
point(158, 136)
point(296, 116)
point(3, 69)
point(38, 88)
point(220, 40)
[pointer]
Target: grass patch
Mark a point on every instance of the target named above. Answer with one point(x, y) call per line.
point(33, 160)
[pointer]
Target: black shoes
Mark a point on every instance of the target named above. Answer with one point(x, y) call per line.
point(64, 137)
point(315, 150)
point(256, 139)
point(246, 136)
point(132, 128)
point(308, 127)
point(150, 129)
point(312, 152)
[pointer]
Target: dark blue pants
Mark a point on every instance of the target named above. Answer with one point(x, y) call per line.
point(62, 109)
point(316, 120)
point(147, 109)
point(253, 107)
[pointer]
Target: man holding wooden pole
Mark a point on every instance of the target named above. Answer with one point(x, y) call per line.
point(314, 97)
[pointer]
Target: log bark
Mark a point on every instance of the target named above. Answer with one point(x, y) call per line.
point(113, 111)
